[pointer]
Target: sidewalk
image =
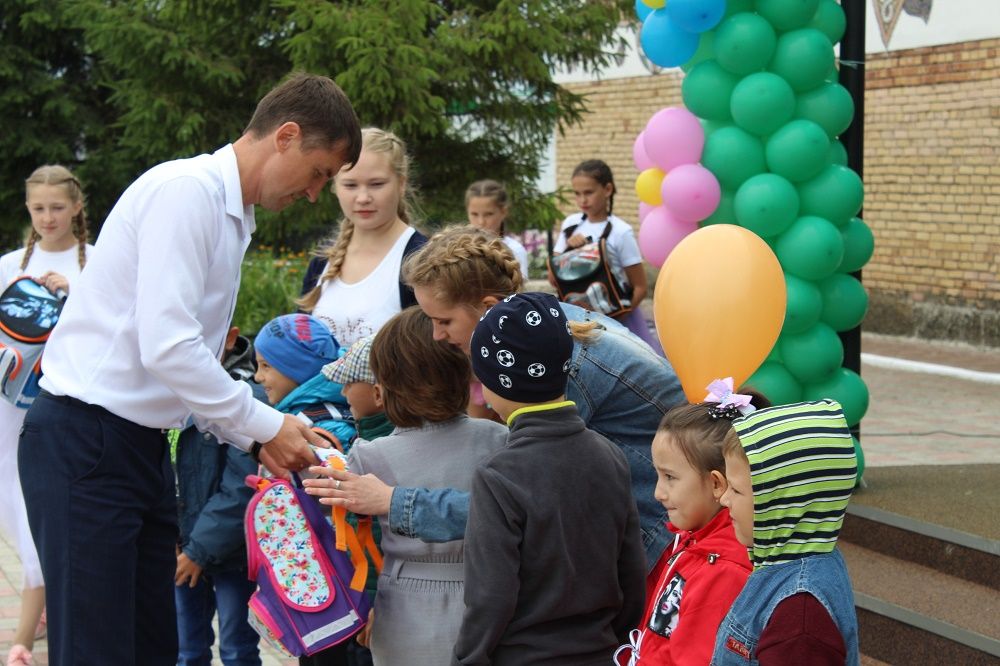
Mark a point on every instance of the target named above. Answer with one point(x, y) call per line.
point(915, 418)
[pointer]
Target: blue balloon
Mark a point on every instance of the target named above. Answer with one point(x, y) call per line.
point(696, 15)
point(664, 42)
point(642, 10)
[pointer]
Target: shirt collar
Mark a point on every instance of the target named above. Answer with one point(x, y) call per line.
point(233, 190)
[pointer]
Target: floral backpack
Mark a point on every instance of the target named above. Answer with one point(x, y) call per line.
point(28, 313)
point(310, 576)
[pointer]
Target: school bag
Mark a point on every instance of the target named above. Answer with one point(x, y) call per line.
point(584, 277)
point(310, 576)
point(28, 313)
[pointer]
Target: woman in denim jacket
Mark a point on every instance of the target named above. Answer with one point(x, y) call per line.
point(620, 386)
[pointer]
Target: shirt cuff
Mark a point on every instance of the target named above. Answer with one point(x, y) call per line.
point(263, 424)
point(401, 512)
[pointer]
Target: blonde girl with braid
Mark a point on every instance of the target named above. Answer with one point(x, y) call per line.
point(486, 206)
point(354, 285)
point(54, 254)
point(621, 387)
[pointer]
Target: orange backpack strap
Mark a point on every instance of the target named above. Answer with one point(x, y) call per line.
point(330, 437)
point(368, 541)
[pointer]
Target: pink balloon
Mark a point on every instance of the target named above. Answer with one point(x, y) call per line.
point(639, 156)
point(691, 192)
point(644, 210)
point(673, 136)
point(659, 233)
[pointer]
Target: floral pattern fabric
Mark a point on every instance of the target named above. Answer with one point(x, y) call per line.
point(286, 542)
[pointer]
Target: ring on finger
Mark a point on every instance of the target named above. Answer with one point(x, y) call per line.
point(336, 486)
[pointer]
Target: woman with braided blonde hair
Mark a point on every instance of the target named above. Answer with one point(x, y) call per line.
point(620, 386)
point(53, 255)
point(353, 285)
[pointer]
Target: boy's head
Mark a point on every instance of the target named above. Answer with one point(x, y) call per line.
point(520, 351)
point(354, 371)
point(791, 470)
point(291, 350)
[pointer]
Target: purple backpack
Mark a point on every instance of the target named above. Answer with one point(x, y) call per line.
point(302, 604)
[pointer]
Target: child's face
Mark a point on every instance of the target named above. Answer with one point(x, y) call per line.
point(52, 212)
point(591, 197)
point(486, 214)
point(738, 498)
point(275, 384)
point(690, 496)
point(453, 324)
point(369, 192)
point(364, 399)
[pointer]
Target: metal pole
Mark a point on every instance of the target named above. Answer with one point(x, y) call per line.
point(852, 77)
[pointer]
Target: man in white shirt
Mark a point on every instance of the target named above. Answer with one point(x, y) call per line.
point(137, 351)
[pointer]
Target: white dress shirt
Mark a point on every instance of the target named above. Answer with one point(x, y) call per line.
point(144, 331)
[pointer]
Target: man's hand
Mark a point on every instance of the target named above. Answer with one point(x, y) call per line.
point(289, 450)
point(188, 571)
point(360, 494)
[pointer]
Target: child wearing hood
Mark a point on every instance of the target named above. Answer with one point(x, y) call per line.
point(791, 470)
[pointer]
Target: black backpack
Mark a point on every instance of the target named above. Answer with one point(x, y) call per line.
point(584, 277)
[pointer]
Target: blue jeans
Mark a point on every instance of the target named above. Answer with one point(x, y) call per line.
point(228, 592)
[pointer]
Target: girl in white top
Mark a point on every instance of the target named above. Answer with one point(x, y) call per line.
point(594, 190)
point(487, 205)
point(54, 255)
point(358, 289)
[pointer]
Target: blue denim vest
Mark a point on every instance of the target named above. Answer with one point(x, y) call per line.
point(622, 389)
point(823, 576)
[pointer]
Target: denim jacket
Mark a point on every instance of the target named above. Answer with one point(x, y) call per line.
point(824, 576)
point(622, 389)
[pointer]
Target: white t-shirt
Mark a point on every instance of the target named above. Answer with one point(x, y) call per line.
point(353, 311)
point(623, 250)
point(519, 253)
point(64, 262)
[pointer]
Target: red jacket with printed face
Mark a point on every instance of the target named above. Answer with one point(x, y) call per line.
point(687, 596)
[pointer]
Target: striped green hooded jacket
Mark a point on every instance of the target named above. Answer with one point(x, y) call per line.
point(802, 469)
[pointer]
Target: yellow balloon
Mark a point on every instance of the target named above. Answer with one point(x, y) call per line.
point(647, 186)
point(655, 4)
point(719, 305)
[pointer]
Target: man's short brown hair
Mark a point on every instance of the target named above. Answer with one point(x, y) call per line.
point(319, 107)
point(421, 379)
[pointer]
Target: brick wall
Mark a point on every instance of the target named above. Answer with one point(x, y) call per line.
point(932, 180)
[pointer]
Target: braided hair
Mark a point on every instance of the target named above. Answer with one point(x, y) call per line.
point(58, 175)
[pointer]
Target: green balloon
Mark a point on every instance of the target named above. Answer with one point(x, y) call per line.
point(838, 153)
point(744, 43)
point(830, 106)
point(787, 14)
point(830, 20)
point(762, 102)
point(860, 455)
point(703, 52)
point(804, 304)
point(725, 213)
point(733, 155)
point(798, 151)
point(706, 90)
point(775, 383)
point(859, 244)
point(846, 387)
point(811, 248)
point(845, 302)
point(737, 7)
point(775, 354)
point(767, 204)
point(803, 58)
point(836, 194)
point(812, 355)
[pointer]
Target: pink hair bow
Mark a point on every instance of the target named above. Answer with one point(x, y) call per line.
point(721, 391)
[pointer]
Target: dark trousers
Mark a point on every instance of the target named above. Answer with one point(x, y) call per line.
point(102, 508)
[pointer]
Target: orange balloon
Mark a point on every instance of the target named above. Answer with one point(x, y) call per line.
point(719, 305)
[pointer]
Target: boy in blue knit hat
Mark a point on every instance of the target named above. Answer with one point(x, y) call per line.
point(291, 352)
point(554, 565)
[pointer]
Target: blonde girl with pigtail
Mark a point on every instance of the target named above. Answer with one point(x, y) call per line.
point(54, 253)
point(487, 205)
point(354, 285)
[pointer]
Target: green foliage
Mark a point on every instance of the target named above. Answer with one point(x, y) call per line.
point(269, 284)
point(112, 87)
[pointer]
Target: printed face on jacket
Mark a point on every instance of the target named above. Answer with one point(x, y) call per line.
point(666, 612)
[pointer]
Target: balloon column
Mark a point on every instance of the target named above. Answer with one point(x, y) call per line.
point(757, 146)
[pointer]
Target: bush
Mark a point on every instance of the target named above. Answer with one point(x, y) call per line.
point(269, 284)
